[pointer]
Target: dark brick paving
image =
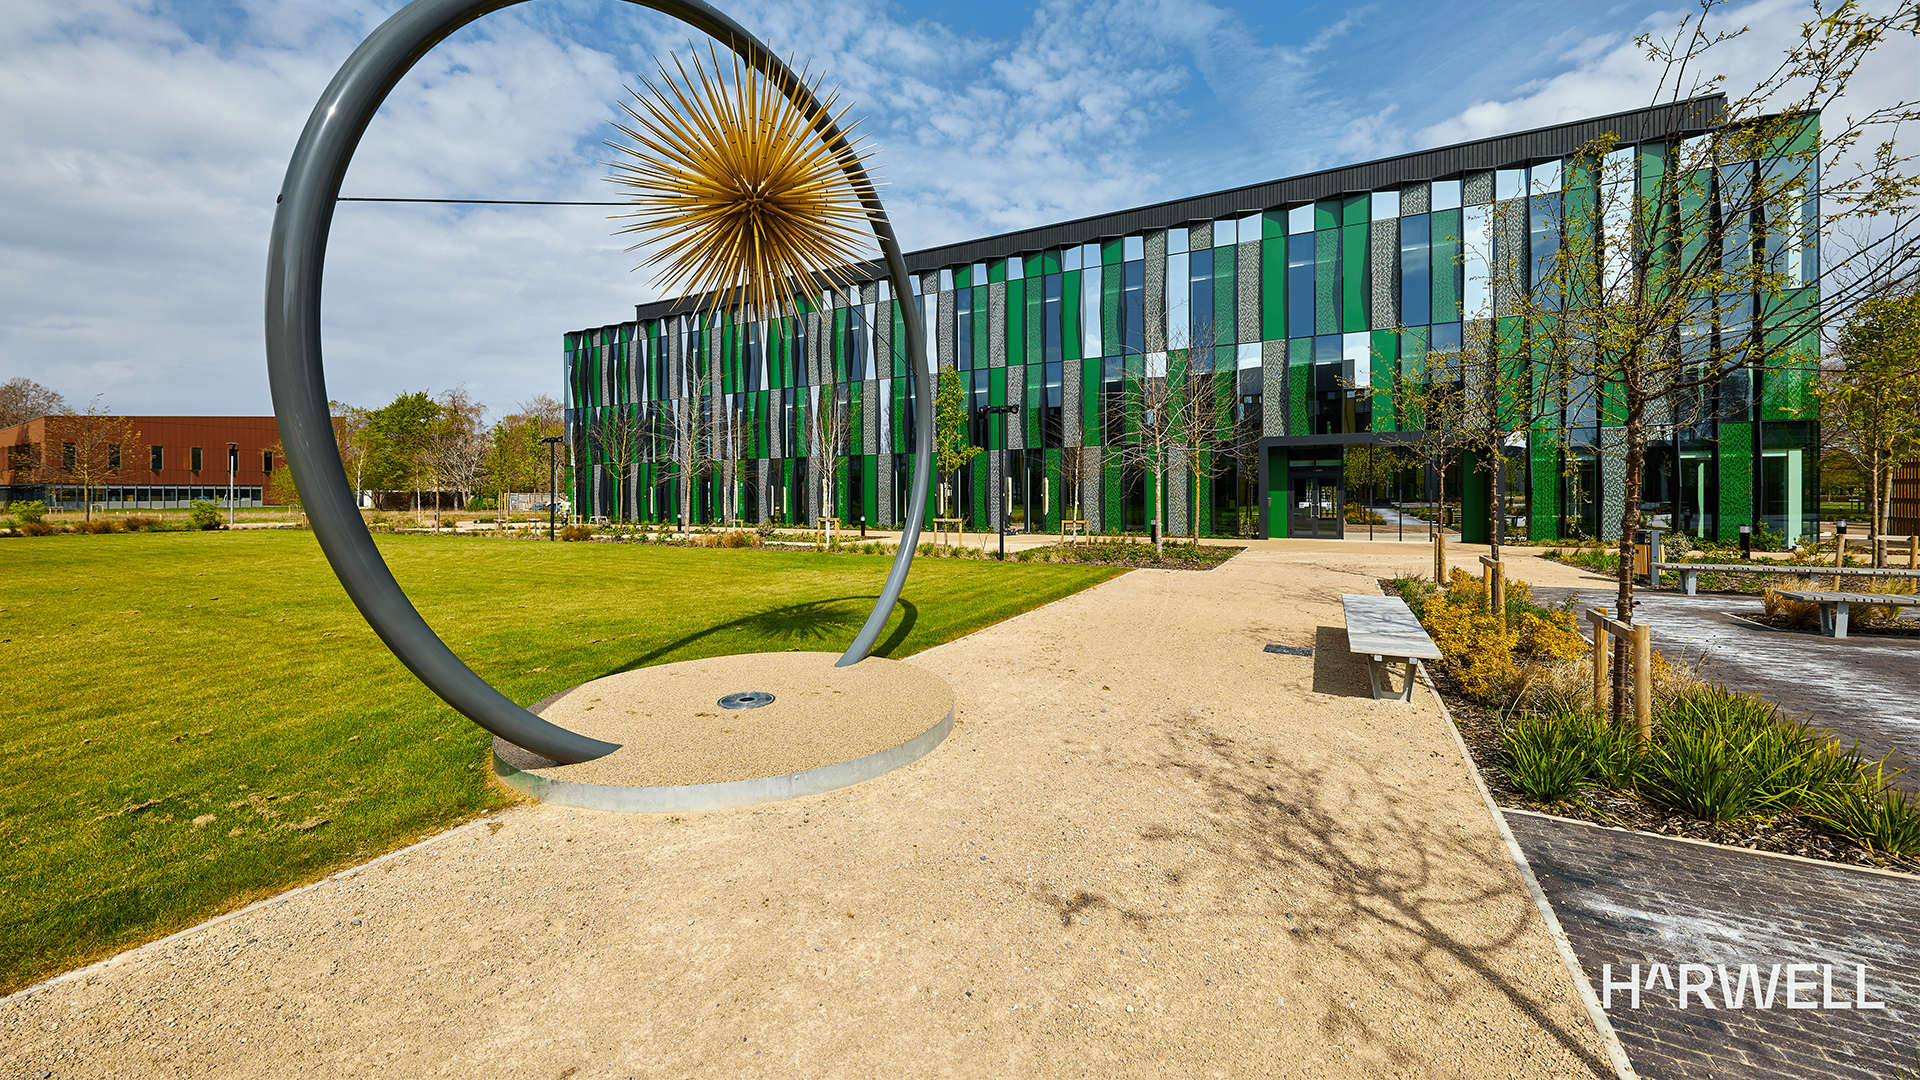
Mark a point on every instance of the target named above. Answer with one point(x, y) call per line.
point(1628, 898)
point(1861, 687)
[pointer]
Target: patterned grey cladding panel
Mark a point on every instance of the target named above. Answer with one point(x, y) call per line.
point(1477, 190)
point(1416, 199)
point(870, 292)
point(1176, 493)
point(1510, 249)
point(1200, 236)
point(776, 427)
point(1248, 275)
point(1613, 479)
point(997, 324)
point(996, 483)
point(1273, 389)
point(1092, 488)
point(946, 331)
point(1016, 394)
point(1156, 291)
point(1070, 386)
point(1386, 273)
point(883, 341)
point(869, 418)
point(1474, 342)
point(883, 490)
point(1031, 317)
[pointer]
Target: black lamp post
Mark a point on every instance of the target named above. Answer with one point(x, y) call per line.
point(233, 462)
point(553, 479)
point(1000, 496)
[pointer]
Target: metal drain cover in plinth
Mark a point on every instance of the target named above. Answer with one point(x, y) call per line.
point(751, 699)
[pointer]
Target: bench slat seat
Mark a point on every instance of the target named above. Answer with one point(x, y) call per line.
point(1834, 606)
point(1385, 631)
point(1690, 572)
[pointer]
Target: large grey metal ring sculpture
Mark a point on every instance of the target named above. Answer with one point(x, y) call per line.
point(295, 259)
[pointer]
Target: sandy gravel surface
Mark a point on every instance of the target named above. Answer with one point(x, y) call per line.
point(1148, 849)
point(671, 729)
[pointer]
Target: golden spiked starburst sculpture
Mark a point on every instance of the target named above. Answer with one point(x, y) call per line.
point(749, 202)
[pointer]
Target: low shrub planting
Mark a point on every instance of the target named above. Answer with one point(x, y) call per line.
point(30, 511)
point(204, 515)
point(576, 533)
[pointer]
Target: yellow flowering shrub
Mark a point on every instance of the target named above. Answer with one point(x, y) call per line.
point(1479, 648)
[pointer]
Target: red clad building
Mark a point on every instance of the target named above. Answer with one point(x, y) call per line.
point(148, 462)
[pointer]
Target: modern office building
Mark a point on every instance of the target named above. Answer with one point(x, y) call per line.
point(1312, 290)
point(166, 462)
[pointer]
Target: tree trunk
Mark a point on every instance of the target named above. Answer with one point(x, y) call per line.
point(1629, 521)
point(1160, 511)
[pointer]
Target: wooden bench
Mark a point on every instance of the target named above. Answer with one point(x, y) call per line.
point(1834, 606)
point(1383, 629)
point(1690, 572)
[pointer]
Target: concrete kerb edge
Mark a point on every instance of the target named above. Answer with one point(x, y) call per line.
point(271, 901)
point(1824, 864)
point(1616, 1051)
point(726, 795)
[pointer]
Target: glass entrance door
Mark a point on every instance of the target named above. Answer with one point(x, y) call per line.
point(1316, 506)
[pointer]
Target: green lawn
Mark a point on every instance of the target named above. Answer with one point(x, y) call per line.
point(196, 720)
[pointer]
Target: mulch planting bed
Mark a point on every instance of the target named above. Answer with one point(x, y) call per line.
point(1787, 834)
point(1209, 557)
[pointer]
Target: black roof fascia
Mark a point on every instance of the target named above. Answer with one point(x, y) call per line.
point(1679, 119)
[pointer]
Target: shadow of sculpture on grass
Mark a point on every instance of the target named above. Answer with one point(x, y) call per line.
point(808, 626)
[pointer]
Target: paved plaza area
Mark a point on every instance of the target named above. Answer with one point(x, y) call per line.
point(1633, 900)
point(1149, 848)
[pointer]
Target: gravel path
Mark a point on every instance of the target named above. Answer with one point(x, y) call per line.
point(1149, 848)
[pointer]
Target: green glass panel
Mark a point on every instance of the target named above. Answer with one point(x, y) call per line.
point(1446, 266)
point(1354, 210)
point(1326, 214)
point(1299, 381)
point(1110, 310)
point(1354, 267)
point(1736, 479)
point(1110, 491)
point(962, 277)
point(1049, 262)
point(1474, 498)
point(1273, 225)
point(1386, 362)
point(1035, 324)
point(1070, 330)
point(1273, 284)
point(1112, 251)
point(996, 269)
point(997, 386)
point(1055, 499)
point(1543, 495)
point(870, 490)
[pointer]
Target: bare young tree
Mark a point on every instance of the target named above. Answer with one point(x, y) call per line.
point(22, 399)
point(830, 423)
point(84, 449)
point(350, 435)
point(622, 434)
point(1202, 415)
point(457, 452)
point(1151, 402)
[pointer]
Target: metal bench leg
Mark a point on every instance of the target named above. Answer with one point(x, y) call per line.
point(1413, 669)
point(1840, 620)
point(1373, 676)
point(1689, 580)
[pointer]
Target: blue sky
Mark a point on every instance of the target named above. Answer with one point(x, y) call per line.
point(142, 143)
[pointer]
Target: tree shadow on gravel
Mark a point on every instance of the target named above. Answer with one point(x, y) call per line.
point(1390, 867)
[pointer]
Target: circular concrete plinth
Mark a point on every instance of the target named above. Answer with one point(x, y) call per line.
point(826, 728)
